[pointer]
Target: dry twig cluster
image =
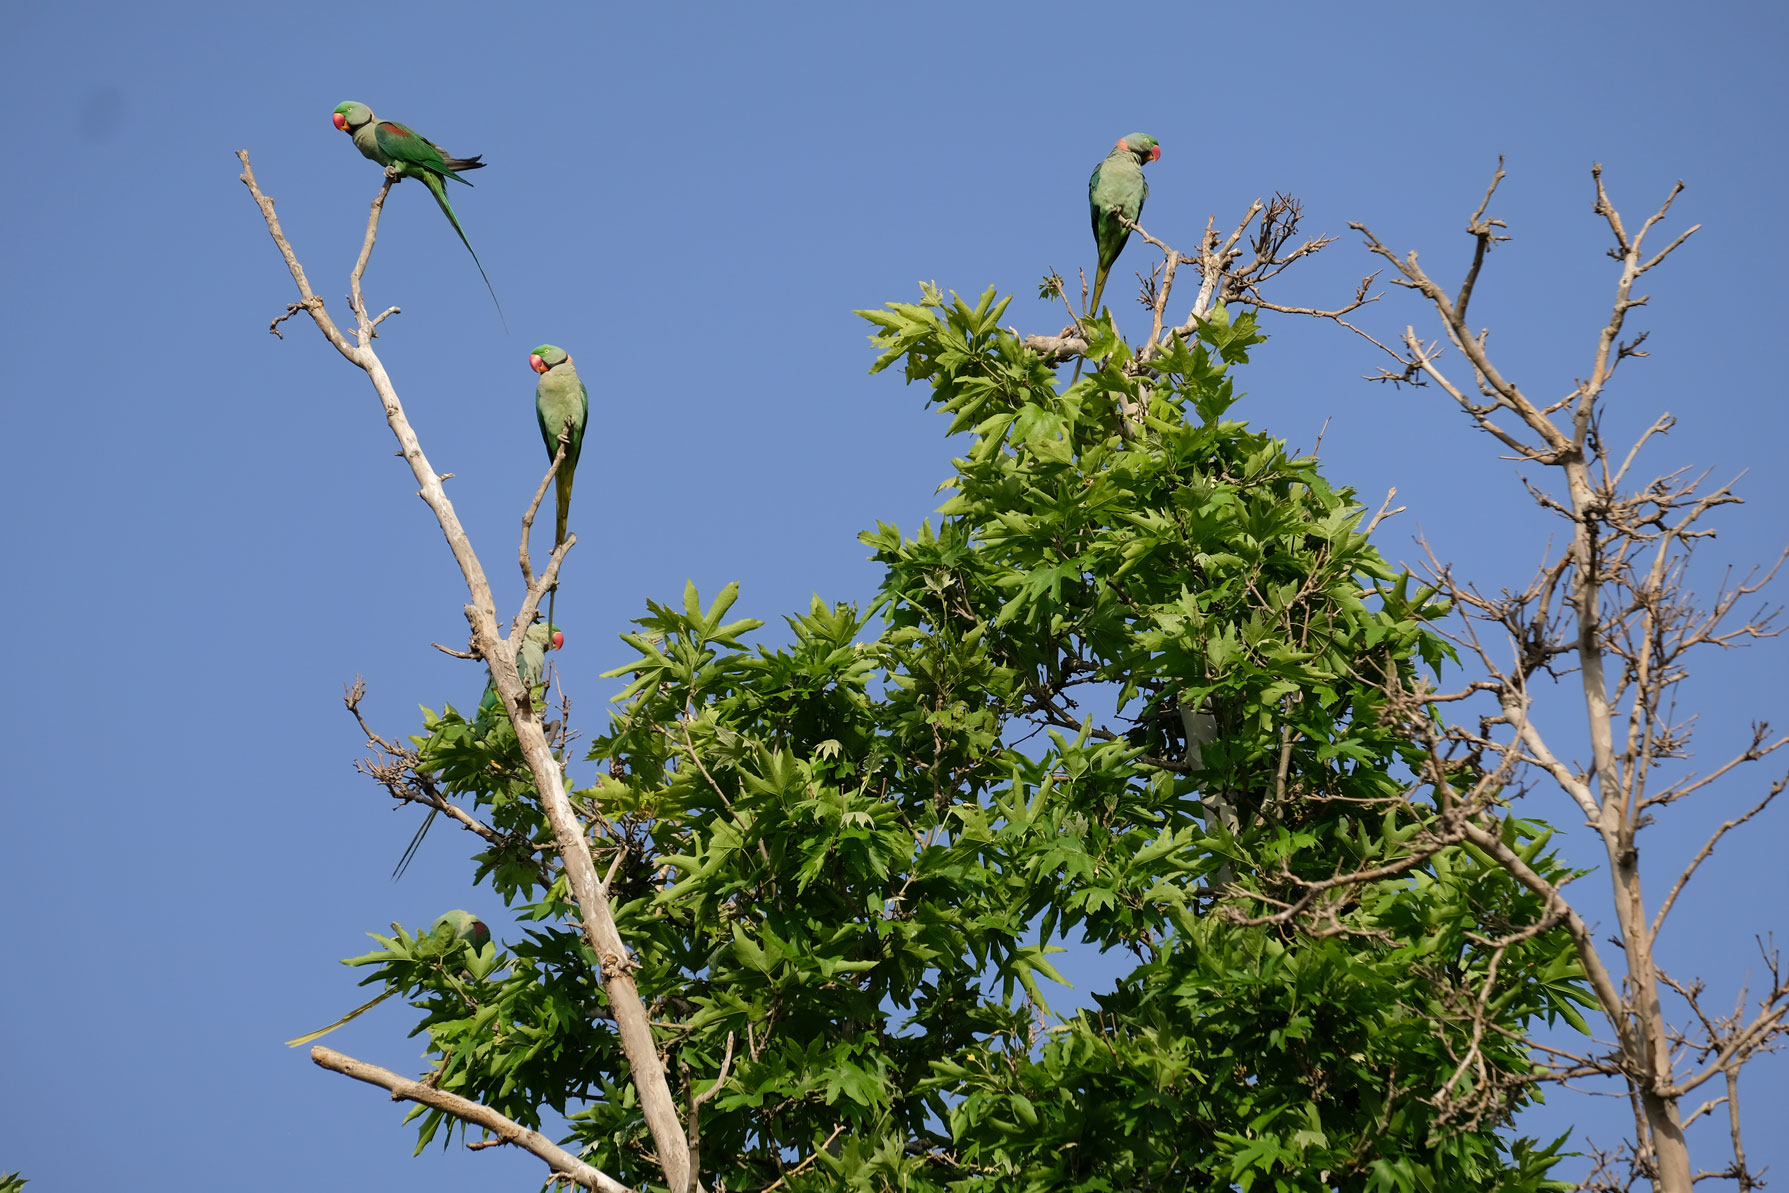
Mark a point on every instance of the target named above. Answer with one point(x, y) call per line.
point(1613, 608)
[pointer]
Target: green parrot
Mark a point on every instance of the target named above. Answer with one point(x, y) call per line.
point(1118, 188)
point(531, 663)
point(559, 398)
point(464, 927)
point(453, 929)
point(413, 156)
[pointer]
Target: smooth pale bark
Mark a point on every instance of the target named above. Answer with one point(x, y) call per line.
point(562, 1162)
point(596, 917)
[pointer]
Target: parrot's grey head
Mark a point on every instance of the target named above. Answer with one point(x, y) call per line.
point(352, 117)
point(1142, 145)
point(547, 356)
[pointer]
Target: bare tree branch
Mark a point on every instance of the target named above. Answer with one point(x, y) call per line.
point(1227, 273)
point(1702, 855)
point(564, 1165)
point(596, 917)
point(534, 508)
point(1614, 607)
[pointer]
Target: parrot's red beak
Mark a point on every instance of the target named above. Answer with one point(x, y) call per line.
point(1155, 155)
point(341, 121)
point(536, 363)
point(558, 640)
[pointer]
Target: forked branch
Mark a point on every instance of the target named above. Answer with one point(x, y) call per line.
point(596, 917)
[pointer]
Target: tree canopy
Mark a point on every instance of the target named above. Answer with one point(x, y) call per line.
point(1135, 690)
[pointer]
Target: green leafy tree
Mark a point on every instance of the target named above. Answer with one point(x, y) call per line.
point(1140, 690)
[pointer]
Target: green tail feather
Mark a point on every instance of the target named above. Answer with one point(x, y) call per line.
point(410, 852)
point(351, 1015)
point(440, 193)
point(562, 491)
point(1099, 288)
point(563, 483)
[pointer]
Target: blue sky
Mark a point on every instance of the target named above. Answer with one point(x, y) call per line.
point(210, 535)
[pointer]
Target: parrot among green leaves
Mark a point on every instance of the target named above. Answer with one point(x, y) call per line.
point(531, 664)
point(1118, 189)
point(562, 404)
point(403, 149)
point(464, 927)
point(446, 937)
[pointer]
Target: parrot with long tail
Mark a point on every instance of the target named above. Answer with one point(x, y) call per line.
point(1118, 188)
point(454, 929)
point(400, 147)
point(559, 399)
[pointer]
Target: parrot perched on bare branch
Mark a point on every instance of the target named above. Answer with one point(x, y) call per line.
point(402, 148)
point(562, 404)
point(1116, 189)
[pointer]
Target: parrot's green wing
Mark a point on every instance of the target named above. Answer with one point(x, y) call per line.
point(531, 660)
point(1116, 192)
point(404, 144)
point(547, 409)
point(489, 705)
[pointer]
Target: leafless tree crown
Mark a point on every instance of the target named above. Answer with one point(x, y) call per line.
point(1610, 613)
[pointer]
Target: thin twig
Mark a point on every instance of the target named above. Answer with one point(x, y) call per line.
point(534, 508)
point(803, 1166)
